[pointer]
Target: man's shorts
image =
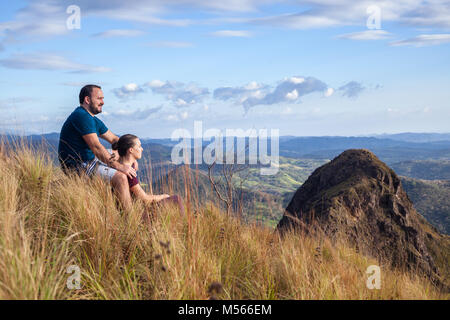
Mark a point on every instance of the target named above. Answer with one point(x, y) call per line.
point(97, 167)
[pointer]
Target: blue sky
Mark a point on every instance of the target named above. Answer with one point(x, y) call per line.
point(303, 67)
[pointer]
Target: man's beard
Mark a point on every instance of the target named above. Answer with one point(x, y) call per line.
point(93, 109)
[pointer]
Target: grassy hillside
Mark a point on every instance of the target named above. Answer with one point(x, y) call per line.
point(49, 222)
point(425, 169)
point(431, 199)
point(291, 174)
point(251, 204)
point(257, 197)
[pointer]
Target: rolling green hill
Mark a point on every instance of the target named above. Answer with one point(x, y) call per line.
point(431, 199)
point(424, 169)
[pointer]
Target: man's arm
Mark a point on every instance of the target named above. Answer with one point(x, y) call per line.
point(110, 137)
point(103, 155)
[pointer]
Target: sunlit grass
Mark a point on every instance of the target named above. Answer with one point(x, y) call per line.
point(49, 221)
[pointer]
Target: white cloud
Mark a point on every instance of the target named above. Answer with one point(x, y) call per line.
point(424, 40)
point(366, 35)
point(179, 93)
point(232, 33)
point(127, 91)
point(43, 18)
point(434, 13)
point(132, 87)
point(296, 80)
point(48, 61)
point(331, 13)
point(329, 92)
point(288, 90)
point(119, 33)
point(155, 84)
point(180, 103)
point(293, 95)
point(252, 89)
point(298, 21)
point(48, 17)
point(156, 8)
point(258, 94)
point(37, 19)
point(351, 89)
point(252, 86)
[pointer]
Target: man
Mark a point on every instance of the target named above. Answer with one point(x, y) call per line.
point(80, 149)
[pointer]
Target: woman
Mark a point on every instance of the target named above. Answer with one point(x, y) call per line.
point(130, 150)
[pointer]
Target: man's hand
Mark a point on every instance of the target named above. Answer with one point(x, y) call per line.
point(129, 171)
point(99, 151)
point(104, 156)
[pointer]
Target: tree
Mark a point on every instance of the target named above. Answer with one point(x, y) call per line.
point(228, 189)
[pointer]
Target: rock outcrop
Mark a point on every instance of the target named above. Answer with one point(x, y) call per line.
point(358, 198)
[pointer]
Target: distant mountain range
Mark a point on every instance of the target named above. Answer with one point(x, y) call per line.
point(388, 150)
point(389, 147)
point(404, 155)
point(415, 137)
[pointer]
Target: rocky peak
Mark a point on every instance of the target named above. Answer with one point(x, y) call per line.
point(359, 198)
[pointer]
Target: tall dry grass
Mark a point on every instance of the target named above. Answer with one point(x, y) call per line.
point(49, 221)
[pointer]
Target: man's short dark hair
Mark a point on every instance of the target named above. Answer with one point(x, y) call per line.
point(86, 91)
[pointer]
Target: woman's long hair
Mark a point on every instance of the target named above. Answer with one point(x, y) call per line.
point(125, 142)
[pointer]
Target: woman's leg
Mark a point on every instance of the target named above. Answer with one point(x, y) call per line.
point(176, 200)
point(120, 185)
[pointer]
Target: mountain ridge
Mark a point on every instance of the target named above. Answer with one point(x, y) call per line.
point(358, 198)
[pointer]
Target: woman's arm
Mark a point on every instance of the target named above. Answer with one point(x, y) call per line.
point(141, 194)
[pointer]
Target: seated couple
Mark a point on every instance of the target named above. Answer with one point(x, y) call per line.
point(79, 149)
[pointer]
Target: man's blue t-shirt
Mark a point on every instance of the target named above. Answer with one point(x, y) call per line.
point(72, 149)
